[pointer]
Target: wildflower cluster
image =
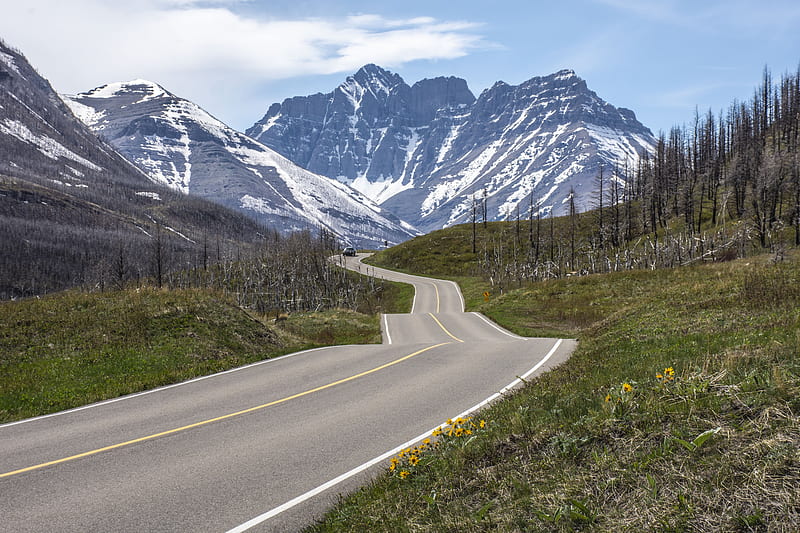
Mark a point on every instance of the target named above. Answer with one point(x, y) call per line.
point(619, 394)
point(408, 460)
point(460, 427)
point(667, 376)
point(404, 462)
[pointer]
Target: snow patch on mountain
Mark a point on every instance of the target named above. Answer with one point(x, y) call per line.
point(8, 60)
point(47, 146)
point(152, 195)
point(147, 90)
point(86, 114)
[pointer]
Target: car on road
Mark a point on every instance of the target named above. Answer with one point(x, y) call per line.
point(349, 251)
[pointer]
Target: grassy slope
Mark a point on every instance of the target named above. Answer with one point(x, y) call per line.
point(602, 443)
point(71, 348)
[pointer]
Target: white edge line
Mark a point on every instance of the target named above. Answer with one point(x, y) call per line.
point(498, 328)
point(165, 387)
point(414, 301)
point(386, 329)
point(460, 296)
point(335, 481)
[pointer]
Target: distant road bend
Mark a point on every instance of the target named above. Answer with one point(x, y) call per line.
point(266, 447)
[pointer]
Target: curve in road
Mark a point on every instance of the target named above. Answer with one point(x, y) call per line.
point(260, 447)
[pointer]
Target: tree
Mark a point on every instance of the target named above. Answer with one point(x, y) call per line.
point(474, 223)
point(158, 256)
point(600, 207)
point(572, 217)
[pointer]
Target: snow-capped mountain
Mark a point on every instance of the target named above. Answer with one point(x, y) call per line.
point(366, 132)
point(180, 145)
point(427, 152)
point(71, 206)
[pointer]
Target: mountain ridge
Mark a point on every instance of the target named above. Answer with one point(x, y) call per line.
point(524, 144)
point(180, 144)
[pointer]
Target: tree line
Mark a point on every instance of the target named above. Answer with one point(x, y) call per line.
point(721, 187)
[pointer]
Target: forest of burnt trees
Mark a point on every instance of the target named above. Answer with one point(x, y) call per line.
point(51, 243)
point(743, 166)
point(719, 188)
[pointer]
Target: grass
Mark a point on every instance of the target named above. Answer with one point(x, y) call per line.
point(612, 440)
point(73, 348)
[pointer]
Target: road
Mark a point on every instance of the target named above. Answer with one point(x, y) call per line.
point(267, 447)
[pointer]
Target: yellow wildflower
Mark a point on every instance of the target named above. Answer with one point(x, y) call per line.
point(626, 387)
point(404, 474)
point(608, 397)
point(413, 460)
point(482, 424)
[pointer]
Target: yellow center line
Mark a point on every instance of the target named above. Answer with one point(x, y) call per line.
point(445, 329)
point(219, 418)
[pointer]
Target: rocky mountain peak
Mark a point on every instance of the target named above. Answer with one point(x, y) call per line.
point(431, 95)
point(564, 74)
point(421, 151)
point(179, 144)
point(138, 90)
point(371, 79)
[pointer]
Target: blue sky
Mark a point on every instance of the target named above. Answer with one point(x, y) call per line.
point(236, 57)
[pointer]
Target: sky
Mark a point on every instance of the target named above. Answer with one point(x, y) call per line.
point(664, 59)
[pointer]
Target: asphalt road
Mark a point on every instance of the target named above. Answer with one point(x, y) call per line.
point(269, 446)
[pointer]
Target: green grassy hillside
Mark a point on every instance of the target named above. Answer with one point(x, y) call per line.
point(69, 349)
point(680, 411)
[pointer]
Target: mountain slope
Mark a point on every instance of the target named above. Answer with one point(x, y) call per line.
point(179, 144)
point(74, 211)
point(428, 163)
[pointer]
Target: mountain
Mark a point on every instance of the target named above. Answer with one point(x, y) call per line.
point(73, 211)
point(182, 146)
point(366, 132)
point(428, 151)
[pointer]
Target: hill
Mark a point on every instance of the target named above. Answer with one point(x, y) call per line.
point(70, 349)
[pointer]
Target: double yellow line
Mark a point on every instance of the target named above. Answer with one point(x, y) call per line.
point(223, 417)
point(444, 328)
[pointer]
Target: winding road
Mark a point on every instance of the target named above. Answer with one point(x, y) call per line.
point(269, 446)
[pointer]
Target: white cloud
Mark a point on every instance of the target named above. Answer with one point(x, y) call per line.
point(82, 40)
